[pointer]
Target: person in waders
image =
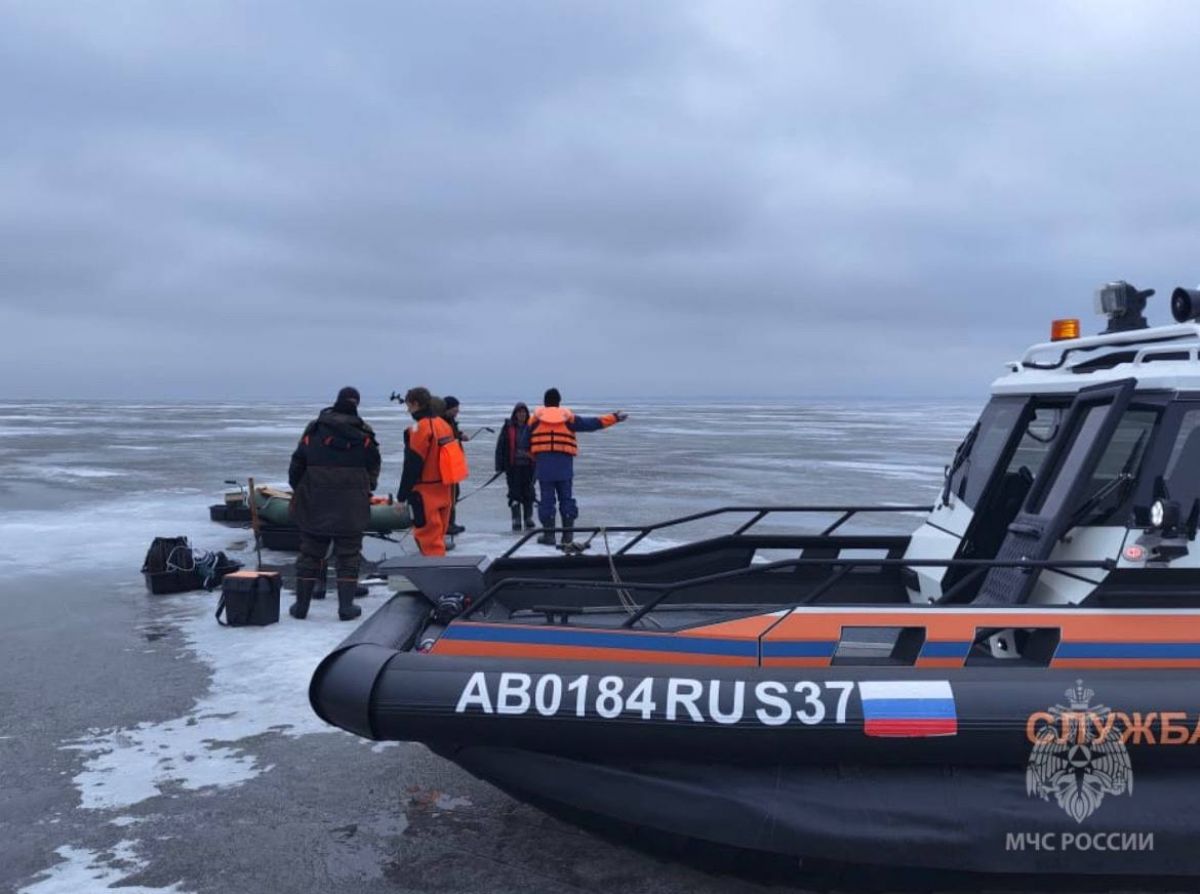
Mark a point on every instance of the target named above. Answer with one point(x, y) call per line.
point(427, 480)
point(554, 447)
point(451, 416)
point(515, 460)
point(333, 471)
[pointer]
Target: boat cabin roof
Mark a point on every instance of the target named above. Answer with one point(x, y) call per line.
point(1163, 358)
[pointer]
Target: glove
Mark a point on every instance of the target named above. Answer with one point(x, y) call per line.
point(416, 508)
point(621, 415)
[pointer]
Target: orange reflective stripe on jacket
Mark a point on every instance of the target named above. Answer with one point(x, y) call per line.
point(551, 433)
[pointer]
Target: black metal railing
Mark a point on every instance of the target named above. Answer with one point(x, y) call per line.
point(845, 513)
point(839, 569)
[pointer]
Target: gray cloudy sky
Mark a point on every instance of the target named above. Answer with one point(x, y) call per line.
point(232, 199)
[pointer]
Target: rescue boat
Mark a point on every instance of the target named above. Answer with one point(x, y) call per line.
point(979, 695)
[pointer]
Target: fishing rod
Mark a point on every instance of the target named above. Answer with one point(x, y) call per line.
point(482, 486)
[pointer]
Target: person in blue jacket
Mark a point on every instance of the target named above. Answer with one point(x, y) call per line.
point(554, 447)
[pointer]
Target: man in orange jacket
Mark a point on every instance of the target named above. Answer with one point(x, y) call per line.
point(421, 486)
point(554, 447)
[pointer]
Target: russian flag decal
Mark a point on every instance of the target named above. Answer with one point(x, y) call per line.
point(908, 708)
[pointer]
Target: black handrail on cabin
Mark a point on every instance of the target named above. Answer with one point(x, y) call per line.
point(760, 512)
point(841, 566)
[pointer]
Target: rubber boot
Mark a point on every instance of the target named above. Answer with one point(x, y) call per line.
point(568, 534)
point(361, 592)
point(304, 592)
point(547, 537)
point(347, 610)
point(320, 585)
point(530, 524)
point(516, 514)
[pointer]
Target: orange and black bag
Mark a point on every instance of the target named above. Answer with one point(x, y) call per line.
point(452, 461)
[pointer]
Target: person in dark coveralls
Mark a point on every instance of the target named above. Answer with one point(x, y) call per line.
point(516, 462)
point(334, 470)
point(553, 445)
point(451, 416)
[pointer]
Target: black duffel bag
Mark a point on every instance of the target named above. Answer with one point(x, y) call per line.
point(170, 566)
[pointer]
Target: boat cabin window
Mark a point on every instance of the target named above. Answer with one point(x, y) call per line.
point(1182, 473)
point(1036, 442)
point(982, 448)
point(1116, 470)
point(1188, 425)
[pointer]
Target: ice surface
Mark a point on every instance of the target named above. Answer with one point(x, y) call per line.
point(259, 685)
point(83, 871)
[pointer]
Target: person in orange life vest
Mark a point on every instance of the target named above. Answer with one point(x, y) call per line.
point(553, 445)
point(421, 484)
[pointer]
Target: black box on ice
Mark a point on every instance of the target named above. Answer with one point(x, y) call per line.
point(284, 538)
point(221, 512)
point(250, 598)
point(162, 582)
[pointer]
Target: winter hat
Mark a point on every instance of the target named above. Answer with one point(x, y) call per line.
point(451, 402)
point(348, 395)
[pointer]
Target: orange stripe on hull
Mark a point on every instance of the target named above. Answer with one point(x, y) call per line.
point(584, 653)
point(939, 662)
point(1116, 627)
point(741, 629)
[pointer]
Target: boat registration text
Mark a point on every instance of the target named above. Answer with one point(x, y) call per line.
point(685, 699)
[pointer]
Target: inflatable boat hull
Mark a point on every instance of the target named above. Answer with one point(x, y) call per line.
point(274, 508)
point(985, 769)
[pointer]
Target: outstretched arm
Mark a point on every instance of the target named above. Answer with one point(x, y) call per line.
point(594, 423)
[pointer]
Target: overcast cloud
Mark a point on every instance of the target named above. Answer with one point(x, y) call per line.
point(793, 199)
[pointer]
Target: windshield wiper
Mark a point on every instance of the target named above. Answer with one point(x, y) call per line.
point(1124, 478)
point(961, 455)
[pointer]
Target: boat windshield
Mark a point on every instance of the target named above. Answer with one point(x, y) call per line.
point(980, 450)
point(1118, 467)
point(1114, 473)
point(988, 442)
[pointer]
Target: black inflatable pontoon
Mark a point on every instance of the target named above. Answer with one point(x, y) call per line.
point(1010, 688)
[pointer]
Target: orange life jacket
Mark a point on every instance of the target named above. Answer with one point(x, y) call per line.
point(445, 462)
point(551, 433)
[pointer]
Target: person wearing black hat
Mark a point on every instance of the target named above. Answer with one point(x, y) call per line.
point(334, 469)
point(451, 416)
point(552, 442)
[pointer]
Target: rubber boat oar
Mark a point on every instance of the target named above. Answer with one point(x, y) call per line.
point(254, 521)
point(486, 428)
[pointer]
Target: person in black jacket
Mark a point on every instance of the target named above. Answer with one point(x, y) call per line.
point(333, 471)
point(516, 462)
